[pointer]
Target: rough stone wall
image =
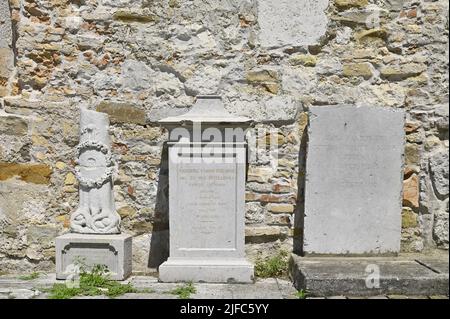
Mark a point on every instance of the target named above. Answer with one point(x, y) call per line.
point(141, 60)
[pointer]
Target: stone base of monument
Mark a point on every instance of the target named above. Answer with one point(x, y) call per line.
point(416, 275)
point(113, 251)
point(231, 270)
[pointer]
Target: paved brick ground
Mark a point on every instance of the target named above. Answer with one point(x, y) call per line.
point(12, 287)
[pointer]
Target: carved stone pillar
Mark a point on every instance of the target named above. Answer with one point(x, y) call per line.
point(95, 237)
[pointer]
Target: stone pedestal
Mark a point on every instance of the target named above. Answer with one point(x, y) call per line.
point(206, 196)
point(113, 251)
point(206, 270)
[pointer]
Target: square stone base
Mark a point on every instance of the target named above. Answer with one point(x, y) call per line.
point(113, 251)
point(230, 270)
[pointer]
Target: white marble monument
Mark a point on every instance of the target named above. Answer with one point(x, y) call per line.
point(354, 174)
point(207, 162)
point(95, 226)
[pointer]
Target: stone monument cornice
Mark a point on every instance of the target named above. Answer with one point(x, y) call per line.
point(208, 110)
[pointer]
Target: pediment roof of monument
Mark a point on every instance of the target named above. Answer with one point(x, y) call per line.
point(207, 109)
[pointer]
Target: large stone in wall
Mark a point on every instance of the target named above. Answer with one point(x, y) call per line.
point(439, 171)
point(291, 23)
point(353, 188)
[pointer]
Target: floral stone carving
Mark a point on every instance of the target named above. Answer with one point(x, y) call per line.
point(96, 213)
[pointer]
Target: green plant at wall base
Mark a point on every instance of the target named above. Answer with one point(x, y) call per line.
point(93, 283)
point(301, 294)
point(184, 292)
point(275, 266)
point(32, 276)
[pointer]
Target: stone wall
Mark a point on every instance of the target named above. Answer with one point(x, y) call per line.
point(141, 60)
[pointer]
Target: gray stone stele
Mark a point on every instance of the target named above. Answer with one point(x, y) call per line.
point(113, 251)
point(291, 23)
point(353, 188)
point(206, 199)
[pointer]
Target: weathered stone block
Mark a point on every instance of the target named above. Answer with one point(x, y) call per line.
point(412, 154)
point(31, 173)
point(439, 171)
point(280, 208)
point(358, 69)
point(134, 15)
point(13, 125)
point(113, 251)
point(291, 23)
point(262, 234)
point(409, 218)
point(268, 79)
point(259, 174)
point(43, 235)
point(411, 191)
point(122, 112)
point(303, 59)
point(345, 4)
point(367, 35)
point(441, 230)
point(402, 71)
point(5, 25)
point(7, 65)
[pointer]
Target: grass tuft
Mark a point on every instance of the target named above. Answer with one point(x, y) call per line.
point(301, 294)
point(93, 283)
point(32, 276)
point(275, 266)
point(185, 291)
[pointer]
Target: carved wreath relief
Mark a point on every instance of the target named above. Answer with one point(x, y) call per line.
point(96, 213)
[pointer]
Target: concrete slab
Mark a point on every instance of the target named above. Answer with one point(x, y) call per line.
point(405, 297)
point(439, 297)
point(146, 296)
point(353, 276)
point(212, 291)
point(256, 292)
point(287, 289)
point(437, 265)
point(13, 282)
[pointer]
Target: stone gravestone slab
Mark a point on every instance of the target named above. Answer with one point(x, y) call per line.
point(354, 172)
point(206, 195)
point(95, 237)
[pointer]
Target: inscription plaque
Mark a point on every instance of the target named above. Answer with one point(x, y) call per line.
point(212, 213)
